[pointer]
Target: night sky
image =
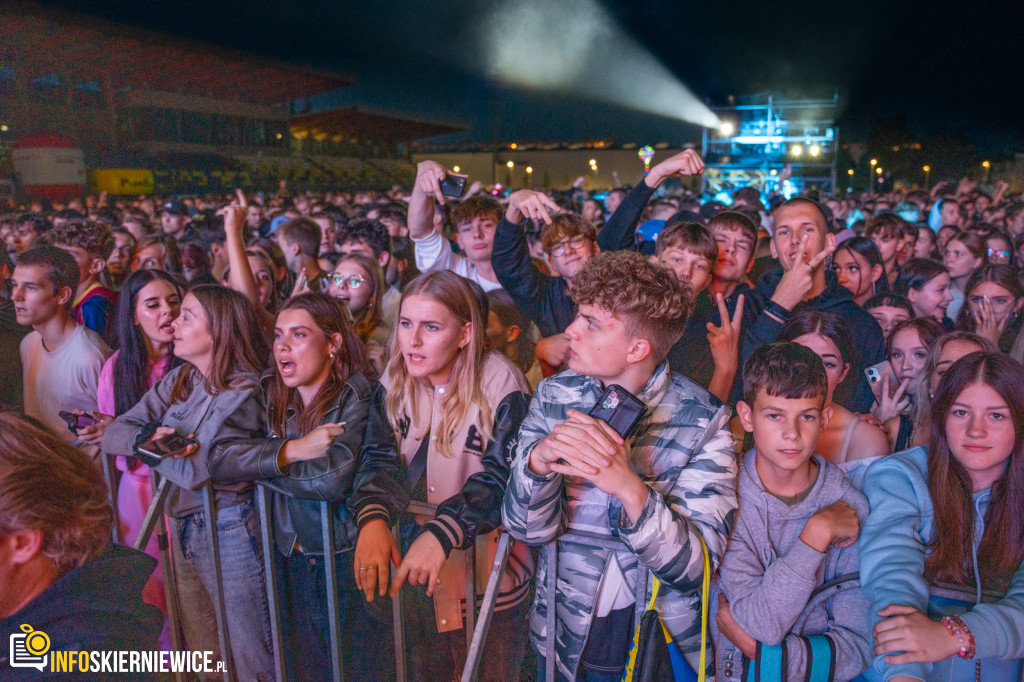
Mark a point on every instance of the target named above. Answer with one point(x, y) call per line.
point(942, 65)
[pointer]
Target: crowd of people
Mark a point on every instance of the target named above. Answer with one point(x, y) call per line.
point(820, 400)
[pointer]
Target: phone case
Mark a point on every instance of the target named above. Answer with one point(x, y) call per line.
point(620, 409)
point(453, 186)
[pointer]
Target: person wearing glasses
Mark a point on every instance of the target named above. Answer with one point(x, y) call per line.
point(358, 282)
point(569, 240)
point(992, 303)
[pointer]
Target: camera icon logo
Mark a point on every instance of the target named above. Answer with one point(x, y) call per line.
point(30, 649)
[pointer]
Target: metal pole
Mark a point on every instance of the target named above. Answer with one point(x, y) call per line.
point(483, 625)
point(551, 590)
point(155, 512)
point(327, 519)
point(266, 528)
point(398, 619)
point(219, 605)
point(167, 566)
point(109, 473)
point(470, 624)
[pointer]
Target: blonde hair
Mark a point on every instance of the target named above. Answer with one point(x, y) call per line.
point(465, 398)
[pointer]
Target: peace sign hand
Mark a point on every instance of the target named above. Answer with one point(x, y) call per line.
point(725, 340)
point(799, 279)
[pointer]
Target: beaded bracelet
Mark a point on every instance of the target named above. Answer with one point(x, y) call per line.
point(956, 628)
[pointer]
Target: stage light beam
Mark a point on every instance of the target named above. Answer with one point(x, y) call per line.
point(575, 46)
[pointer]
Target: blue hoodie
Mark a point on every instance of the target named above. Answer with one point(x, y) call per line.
point(893, 547)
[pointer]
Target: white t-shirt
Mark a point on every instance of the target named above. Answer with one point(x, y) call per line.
point(62, 379)
point(434, 253)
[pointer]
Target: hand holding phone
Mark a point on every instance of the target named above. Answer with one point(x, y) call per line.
point(166, 446)
point(453, 185)
point(77, 421)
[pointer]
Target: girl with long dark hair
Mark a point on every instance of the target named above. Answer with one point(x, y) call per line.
point(317, 402)
point(859, 267)
point(148, 303)
point(941, 549)
point(214, 396)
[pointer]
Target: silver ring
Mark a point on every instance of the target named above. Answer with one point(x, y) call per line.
point(364, 568)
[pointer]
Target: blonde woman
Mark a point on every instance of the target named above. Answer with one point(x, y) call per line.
point(454, 409)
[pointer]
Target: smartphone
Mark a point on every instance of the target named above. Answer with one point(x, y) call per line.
point(156, 451)
point(77, 421)
point(454, 185)
point(620, 409)
point(875, 373)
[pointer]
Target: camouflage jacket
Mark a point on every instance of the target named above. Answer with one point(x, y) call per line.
point(686, 455)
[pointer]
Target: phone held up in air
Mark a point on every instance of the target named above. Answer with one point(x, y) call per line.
point(875, 373)
point(77, 421)
point(156, 451)
point(454, 185)
point(620, 409)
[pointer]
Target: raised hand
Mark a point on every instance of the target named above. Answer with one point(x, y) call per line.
point(798, 280)
point(725, 340)
point(531, 204)
point(686, 162)
point(429, 175)
point(986, 322)
point(891, 405)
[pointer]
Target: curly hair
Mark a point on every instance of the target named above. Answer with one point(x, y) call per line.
point(92, 237)
point(649, 299)
point(48, 485)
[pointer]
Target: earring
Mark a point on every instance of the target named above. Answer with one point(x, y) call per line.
point(331, 356)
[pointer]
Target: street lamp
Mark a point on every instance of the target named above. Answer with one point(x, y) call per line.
point(927, 171)
point(878, 170)
point(874, 162)
point(849, 171)
point(988, 170)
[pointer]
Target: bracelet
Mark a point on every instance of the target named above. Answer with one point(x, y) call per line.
point(956, 628)
point(777, 310)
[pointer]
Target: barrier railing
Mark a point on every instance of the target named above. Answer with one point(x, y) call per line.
point(476, 627)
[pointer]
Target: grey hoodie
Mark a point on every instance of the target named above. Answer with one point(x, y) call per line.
point(230, 414)
point(805, 609)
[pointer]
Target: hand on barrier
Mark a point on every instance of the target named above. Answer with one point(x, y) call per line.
point(421, 564)
point(376, 550)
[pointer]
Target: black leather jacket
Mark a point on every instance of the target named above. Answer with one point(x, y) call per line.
point(299, 488)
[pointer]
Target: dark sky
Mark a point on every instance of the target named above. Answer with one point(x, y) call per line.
point(942, 64)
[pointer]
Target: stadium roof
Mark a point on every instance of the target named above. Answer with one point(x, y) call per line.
point(43, 43)
point(367, 123)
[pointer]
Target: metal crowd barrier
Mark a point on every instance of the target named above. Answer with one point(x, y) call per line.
point(153, 522)
point(476, 628)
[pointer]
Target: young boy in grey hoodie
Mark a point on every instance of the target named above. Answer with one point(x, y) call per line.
point(790, 604)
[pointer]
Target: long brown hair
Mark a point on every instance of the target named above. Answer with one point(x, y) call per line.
point(329, 316)
point(373, 316)
point(239, 346)
point(1002, 544)
point(465, 397)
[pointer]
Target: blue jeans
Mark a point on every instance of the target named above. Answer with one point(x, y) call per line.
point(367, 640)
point(243, 582)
